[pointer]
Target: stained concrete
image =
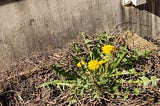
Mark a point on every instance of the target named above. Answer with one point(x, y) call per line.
point(27, 26)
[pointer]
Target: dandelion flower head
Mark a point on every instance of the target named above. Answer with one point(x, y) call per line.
point(80, 64)
point(101, 62)
point(93, 65)
point(107, 49)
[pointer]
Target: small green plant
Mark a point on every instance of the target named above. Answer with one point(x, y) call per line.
point(100, 69)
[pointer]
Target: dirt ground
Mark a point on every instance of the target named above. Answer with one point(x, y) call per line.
point(24, 77)
point(20, 82)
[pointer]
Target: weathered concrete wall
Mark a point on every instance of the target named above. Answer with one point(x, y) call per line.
point(30, 25)
point(145, 20)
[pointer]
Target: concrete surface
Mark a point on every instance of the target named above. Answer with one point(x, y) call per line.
point(27, 26)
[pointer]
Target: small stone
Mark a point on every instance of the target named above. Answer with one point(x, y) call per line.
point(135, 42)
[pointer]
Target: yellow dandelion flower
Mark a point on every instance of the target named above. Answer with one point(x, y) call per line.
point(80, 64)
point(93, 65)
point(107, 49)
point(101, 62)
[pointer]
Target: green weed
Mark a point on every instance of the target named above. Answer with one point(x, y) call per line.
point(102, 69)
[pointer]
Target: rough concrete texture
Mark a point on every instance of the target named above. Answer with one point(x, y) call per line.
point(27, 26)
